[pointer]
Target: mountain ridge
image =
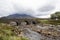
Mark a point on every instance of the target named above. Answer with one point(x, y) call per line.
point(18, 16)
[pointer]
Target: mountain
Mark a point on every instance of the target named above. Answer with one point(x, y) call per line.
point(18, 16)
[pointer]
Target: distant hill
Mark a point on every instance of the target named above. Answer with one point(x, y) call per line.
point(18, 16)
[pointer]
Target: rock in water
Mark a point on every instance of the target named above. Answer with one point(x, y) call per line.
point(31, 34)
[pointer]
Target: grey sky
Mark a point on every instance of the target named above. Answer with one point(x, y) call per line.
point(37, 8)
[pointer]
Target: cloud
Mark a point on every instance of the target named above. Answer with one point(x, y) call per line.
point(46, 8)
point(6, 7)
point(35, 8)
point(45, 11)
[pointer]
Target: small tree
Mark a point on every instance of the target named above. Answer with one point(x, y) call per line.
point(55, 15)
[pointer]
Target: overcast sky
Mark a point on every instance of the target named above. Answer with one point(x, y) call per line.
point(37, 8)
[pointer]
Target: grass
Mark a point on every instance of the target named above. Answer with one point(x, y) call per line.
point(7, 34)
point(54, 22)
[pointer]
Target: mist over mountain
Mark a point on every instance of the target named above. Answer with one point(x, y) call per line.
point(18, 16)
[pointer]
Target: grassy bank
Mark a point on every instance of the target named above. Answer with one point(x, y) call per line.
point(7, 34)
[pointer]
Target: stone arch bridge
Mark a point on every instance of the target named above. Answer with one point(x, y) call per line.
point(23, 22)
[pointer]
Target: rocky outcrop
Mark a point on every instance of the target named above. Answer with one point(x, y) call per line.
point(37, 32)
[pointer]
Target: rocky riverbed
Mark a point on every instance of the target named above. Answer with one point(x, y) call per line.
point(38, 32)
